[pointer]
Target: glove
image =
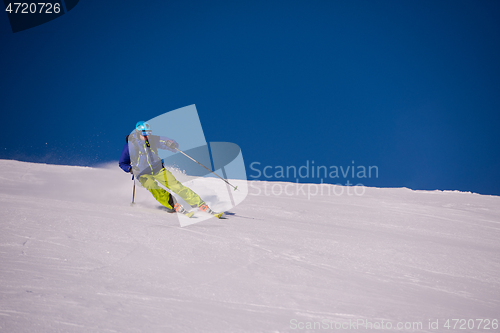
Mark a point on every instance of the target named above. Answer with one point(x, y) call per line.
point(172, 144)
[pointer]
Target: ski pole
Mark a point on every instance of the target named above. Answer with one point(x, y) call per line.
point(133, 192)
point(192, 159)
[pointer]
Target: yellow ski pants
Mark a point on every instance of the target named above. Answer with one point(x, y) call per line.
point(167, 179)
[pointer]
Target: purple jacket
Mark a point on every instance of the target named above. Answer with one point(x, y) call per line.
point(140, 157)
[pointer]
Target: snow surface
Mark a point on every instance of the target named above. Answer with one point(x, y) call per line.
point(76, 257)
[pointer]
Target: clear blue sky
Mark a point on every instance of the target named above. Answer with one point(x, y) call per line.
point(412, 87)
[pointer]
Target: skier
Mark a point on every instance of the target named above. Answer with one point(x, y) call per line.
point(140, 157)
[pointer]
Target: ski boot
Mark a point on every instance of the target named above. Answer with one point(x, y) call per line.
point(179, 209)
point(204, 208)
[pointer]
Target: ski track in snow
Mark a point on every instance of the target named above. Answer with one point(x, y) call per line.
point(76, 257)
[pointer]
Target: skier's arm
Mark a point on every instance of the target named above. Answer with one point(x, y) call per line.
point(125, 159)
point(167, 143)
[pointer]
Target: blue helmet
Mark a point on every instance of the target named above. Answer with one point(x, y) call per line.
point(143, 127)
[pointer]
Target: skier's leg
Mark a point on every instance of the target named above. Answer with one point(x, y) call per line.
point(162, 196)
point(168, 179)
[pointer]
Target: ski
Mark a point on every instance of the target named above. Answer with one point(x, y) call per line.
point(220, 215)
point(204, 208)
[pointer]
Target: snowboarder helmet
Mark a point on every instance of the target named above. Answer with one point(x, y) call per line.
point(143, 127)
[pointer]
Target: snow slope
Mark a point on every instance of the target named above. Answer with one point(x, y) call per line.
point(76, 257)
